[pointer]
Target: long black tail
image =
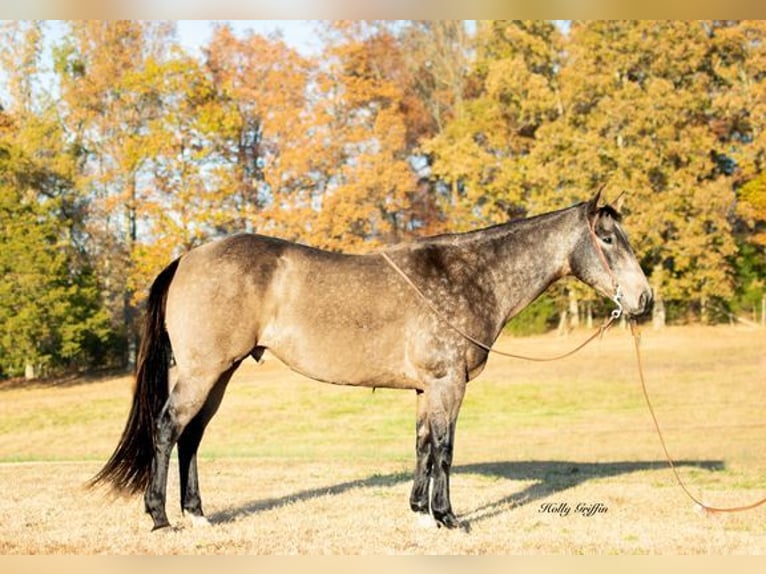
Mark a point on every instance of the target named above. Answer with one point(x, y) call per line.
point(128, 469)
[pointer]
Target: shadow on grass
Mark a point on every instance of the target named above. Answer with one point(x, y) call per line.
point(549, 478)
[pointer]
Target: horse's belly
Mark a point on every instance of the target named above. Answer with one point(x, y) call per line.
point(354, 361)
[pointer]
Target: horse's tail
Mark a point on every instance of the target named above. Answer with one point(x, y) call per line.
point(128, 469)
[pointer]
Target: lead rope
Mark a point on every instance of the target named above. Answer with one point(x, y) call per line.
point(599, 331)
point(700, 505)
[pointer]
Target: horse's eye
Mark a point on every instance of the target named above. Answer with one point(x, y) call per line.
point(607, 239)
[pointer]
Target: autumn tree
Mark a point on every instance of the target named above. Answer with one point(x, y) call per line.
point(110, 75)
point(178, 206)
point(737, 60)
point(481, 154)
point(435, 58)
point(363, 173)
point(638, 107)
point(631, 109)
point(125, 152)
point(265, 133)
point(51, 313)
point(637, 98)
point(236, 148)
point(431, 67)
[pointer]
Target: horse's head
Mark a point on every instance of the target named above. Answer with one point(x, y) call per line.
point(605, 260)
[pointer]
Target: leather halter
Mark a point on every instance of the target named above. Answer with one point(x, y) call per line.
point(618, 293)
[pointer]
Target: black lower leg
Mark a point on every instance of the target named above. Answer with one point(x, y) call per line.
point(154, 496)
point(441, 507)
point(419, 498)
point(188, 443)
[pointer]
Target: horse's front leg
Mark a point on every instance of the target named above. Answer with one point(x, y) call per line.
point(442, 444)
point(441, 404)
point(419, 498)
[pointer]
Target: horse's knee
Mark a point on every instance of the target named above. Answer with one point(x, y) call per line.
point(420, 495)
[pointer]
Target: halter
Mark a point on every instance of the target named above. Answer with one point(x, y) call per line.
point(618, 293)
point(616, 313)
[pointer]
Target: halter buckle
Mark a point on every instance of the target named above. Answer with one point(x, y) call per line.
point(617, 313)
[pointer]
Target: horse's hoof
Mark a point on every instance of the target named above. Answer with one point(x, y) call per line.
point(447, 520)
point(425, 521)
point(160, 525)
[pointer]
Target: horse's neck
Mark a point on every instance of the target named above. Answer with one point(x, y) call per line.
point(520, 259)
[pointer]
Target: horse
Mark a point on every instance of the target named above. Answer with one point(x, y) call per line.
point(350, 320)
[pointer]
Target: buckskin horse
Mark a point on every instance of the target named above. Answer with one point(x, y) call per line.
point(372, 320)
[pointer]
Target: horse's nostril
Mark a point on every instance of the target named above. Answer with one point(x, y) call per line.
point(645, 300)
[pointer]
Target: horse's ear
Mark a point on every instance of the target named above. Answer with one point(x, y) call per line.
point(594, 201)
point(618, 203)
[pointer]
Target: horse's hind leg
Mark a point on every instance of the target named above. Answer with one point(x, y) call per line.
point(188, 443)
point(165, 437)
point(188, 397)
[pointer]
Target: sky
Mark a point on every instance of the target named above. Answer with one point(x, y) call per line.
point(298, 34)
point(193, 35)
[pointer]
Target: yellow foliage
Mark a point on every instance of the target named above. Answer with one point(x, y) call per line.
point(752, 207)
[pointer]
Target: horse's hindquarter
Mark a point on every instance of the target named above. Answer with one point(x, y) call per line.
point(217, 304)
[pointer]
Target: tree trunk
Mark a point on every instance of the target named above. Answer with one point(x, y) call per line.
point(574, 313)
point(658, 310)
point(562, 330)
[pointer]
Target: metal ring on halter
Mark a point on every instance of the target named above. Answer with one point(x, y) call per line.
point(616, 313)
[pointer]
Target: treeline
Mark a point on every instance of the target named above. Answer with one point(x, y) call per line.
point(119, 151)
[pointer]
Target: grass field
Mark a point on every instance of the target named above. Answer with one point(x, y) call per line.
point(293, 466)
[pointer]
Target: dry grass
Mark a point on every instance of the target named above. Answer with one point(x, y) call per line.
point(293, 466)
